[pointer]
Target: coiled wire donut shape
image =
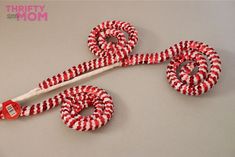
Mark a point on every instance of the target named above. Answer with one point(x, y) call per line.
point(186, 56)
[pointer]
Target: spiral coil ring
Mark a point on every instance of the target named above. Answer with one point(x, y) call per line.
point(83, 97)
point(188, 72)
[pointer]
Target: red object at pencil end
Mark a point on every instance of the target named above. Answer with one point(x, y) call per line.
point(11, 110)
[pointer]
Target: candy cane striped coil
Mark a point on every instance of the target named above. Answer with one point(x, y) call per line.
point(188, 73)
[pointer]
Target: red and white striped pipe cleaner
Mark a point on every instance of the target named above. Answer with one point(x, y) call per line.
point(186, 57)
